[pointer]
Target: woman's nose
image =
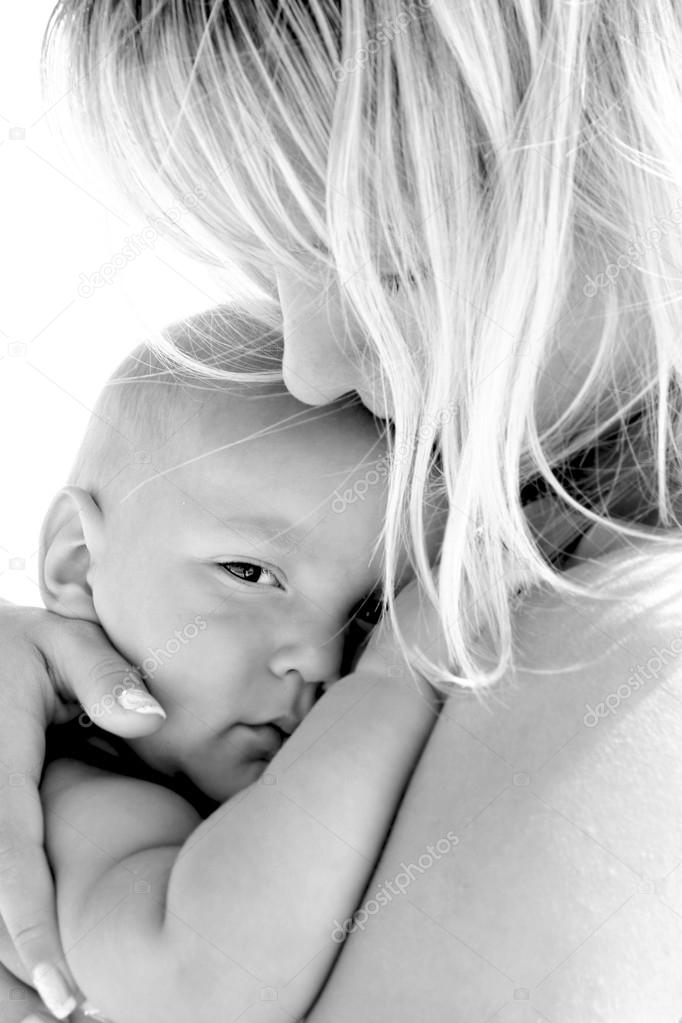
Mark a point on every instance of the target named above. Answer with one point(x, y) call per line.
point(318, 364)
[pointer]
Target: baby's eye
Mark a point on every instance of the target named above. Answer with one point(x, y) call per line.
point(248, 572)
point(363, 617)
point(367, 612)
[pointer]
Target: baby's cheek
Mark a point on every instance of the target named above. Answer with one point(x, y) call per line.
point(135, 610)
point(224, 646)
point(119, 601)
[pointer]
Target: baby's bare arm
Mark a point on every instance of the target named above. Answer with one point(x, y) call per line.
point(96, 820)
point(110, 812)
point(246, 911)
point(174, 820)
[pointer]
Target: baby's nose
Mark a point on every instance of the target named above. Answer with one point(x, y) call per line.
point(314, 658)
point(306, 696)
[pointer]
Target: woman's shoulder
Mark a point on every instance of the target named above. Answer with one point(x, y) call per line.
point(591, 728)
point(539, 838)
point(559, 792)
point(615, 644)
point(605, 553)
point(614, 647)
point(627, 597)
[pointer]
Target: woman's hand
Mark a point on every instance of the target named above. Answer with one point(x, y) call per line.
point(50, 668)
point(17, 999)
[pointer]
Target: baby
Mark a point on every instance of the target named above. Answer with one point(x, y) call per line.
point(222, 535)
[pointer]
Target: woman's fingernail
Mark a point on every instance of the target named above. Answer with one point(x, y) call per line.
point(53, 989)
point(141, 703)
point(88, 1009)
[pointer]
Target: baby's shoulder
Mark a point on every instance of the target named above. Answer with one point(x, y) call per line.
point(122, 814)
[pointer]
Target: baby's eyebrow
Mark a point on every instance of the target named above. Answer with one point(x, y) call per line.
point(273, 532)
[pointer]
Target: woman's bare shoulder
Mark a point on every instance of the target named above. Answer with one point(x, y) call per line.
point(598, 680)
point(586, 832)
point(631, 601)
point(562, 885)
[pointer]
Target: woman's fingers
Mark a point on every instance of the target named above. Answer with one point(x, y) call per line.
point(86, 668)
point(47, 665)
point(26, 889)
point(18, 999)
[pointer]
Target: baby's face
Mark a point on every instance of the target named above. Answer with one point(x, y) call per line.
point(230, 579)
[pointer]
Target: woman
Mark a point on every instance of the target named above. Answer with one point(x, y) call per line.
point(467, 213)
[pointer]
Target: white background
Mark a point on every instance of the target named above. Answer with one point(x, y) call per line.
point(57, 222)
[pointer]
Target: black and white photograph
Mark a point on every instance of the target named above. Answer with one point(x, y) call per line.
point(341, 530)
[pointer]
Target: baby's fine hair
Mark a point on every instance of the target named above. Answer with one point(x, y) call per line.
point(481, 149)
point(162, 383)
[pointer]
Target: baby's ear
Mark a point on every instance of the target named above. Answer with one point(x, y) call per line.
point(71, 529)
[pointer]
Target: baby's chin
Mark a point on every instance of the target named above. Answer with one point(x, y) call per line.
point(221, 786)
point(217, 782)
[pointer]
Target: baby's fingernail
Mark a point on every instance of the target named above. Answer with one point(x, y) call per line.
point(141, 703)
point(53, 989)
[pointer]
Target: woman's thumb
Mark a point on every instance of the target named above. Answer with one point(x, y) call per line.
point(86, 668)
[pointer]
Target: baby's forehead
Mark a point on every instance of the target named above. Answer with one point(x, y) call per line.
point(269, 450)
point(269, 466)
point(269, 419)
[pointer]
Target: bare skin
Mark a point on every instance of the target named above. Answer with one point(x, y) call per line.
point(561, 901)
point(83, 668)
point(26, 897)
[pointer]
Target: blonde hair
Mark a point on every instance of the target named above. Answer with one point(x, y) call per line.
point(479, 146)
